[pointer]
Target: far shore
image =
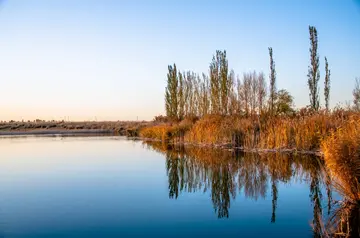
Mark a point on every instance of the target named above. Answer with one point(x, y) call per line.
point(54, 132)
point(226, 146)
point(39, 127)
point(230, 147)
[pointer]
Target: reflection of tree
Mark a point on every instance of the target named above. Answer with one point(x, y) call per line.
point(316, 196)
point(328, 192)
point(253, 176)
point(274, 192)
point(172, 164)
point(222, 186)
point(222, 172)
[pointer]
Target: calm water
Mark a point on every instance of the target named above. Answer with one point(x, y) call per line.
point(113, 187)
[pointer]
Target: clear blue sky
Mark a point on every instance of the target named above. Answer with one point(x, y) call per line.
point(108, 59)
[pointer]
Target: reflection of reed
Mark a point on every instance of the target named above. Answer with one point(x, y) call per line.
point(194, 169)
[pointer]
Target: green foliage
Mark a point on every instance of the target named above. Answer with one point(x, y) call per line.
point(171, 92)
point(225, 82)
point(215, 84)
point(327, 85)
point(283, 103)
point(181, 98)
point(219, 83)
point(356, 94)
point(313, 71)
point(272, 82)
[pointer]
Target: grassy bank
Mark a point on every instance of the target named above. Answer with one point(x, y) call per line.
point(303, 132)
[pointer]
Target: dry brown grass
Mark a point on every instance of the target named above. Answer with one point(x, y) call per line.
point(342, 158)
point(167, 132)
point(300, 132)
point(162, 132)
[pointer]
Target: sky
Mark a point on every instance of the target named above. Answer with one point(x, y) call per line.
point(107, 60)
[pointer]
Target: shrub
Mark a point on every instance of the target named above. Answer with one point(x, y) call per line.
point(162, 132)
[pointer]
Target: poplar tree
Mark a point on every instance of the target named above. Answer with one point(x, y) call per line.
point(245, 93)
point(327, 85)
point(215, 84)
point(171, 93)
point(313, 71)
point(181, 98)
point(219, 83)
point(225, 81)
point(239, 92)
point(204, 95)
point(272, 82)
point(253, 92)
point(190, 76)
point(356, 94)
point(232, 97)
point(261, 91)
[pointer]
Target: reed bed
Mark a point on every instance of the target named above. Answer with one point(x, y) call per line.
point(342, 158)
point(298, 132)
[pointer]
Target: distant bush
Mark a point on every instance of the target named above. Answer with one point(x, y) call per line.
point(161, 119)
point(162, 132)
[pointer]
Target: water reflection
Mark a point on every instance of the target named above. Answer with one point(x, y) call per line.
point(226, 174)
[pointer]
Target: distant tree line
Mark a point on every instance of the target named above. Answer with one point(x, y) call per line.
point(189, 94)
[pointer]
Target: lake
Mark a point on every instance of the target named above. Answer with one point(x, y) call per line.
point(109, 186)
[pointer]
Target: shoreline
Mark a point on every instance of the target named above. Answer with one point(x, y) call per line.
point(227, 146)
point(224, 146)
point(56, 132)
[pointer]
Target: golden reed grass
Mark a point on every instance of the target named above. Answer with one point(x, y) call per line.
point(342, 159)
point(298, 132)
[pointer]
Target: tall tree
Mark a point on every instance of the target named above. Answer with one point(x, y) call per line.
point(233, 103)
point(272, 82)
point(253, 92)
point(204, 95)
point(245, 94)
point(313, 71)
point(181, 98)
point(327, 85)
point(356, 94)
point(190, 97)
point(225, 81)
point(239, 92)
point(171, 92)
point(186, 93)
point(197, 95)
point(219, 84)
point(261, 91)
point(215, 84)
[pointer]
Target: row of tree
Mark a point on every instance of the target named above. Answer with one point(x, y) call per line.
point(191, 94)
